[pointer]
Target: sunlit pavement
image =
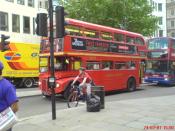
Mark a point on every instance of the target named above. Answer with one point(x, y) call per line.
point(125, 115)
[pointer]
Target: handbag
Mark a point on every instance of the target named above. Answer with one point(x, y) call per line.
point(7, 119)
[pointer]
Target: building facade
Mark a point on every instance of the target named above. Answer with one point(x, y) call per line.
point(17, 19)
point(160, 11)
point(170, 18)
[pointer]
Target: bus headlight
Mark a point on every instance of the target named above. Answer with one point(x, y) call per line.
point(39, 83)
point(166, 79)
point(57, 85)
point(146, 77)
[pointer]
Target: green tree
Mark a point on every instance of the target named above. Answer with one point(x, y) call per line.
point(131, 15)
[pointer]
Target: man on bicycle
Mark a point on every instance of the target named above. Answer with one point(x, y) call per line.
point(85, 81)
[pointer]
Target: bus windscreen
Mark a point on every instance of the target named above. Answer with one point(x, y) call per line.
point(158, 43)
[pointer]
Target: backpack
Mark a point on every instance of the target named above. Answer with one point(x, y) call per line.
point(93, 104)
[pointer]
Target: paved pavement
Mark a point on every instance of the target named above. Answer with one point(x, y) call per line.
point(153, 113)
point(27, 93)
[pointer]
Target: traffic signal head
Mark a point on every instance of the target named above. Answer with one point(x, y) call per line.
point(60, 22)
point(41, 21)
point(4, 43)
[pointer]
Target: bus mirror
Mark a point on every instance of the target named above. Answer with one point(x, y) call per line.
point(67, 61)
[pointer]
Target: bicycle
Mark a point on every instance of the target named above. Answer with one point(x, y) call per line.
point(74, 97)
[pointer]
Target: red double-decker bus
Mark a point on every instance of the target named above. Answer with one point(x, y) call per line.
point(112, 57)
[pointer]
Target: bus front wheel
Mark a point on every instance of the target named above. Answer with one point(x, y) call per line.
point(67, 92)
point(131, 85)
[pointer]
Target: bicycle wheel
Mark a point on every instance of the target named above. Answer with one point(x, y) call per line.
point(72, 100)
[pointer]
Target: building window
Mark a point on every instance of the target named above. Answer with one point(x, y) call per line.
point(160, 33)
point(34, 30)
point(160, 21)
point(156, 6)
point(46, 5)
point(31, 3)
point(15, 23)
point(26, 24)
point(160, 7)
point(21, 2)
point(172, 23)
point(10, 0)
point(153, 4)
point(172, 34)
point(40, 4)
point(172, 12)
point(3, 21)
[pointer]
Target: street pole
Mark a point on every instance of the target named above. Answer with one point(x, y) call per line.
point(52, 75)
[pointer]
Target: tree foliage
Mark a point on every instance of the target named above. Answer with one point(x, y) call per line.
point(131, 15)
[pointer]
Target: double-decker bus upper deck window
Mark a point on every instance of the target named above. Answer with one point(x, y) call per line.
point(106, 35)
point(119, 37)
point(139, 41)
point(73, 30)
point(130, 40)
point(142, 53)
point(158, 43)
point(91, 33)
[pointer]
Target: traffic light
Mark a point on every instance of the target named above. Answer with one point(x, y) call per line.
point(60, 22)
point(4, 43)
point(41, 21)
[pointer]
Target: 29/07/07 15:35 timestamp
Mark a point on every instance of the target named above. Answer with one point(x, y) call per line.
point(157, 127)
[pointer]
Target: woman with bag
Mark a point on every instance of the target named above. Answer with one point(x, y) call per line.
point(8, 96)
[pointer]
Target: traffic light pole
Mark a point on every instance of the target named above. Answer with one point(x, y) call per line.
point(52, 75)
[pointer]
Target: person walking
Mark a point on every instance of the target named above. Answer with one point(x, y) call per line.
point(8, 96)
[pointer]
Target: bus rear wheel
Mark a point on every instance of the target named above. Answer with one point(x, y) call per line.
point(131, 85)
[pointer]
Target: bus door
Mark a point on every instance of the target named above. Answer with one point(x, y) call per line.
point(172, 70)
point(141, 71)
